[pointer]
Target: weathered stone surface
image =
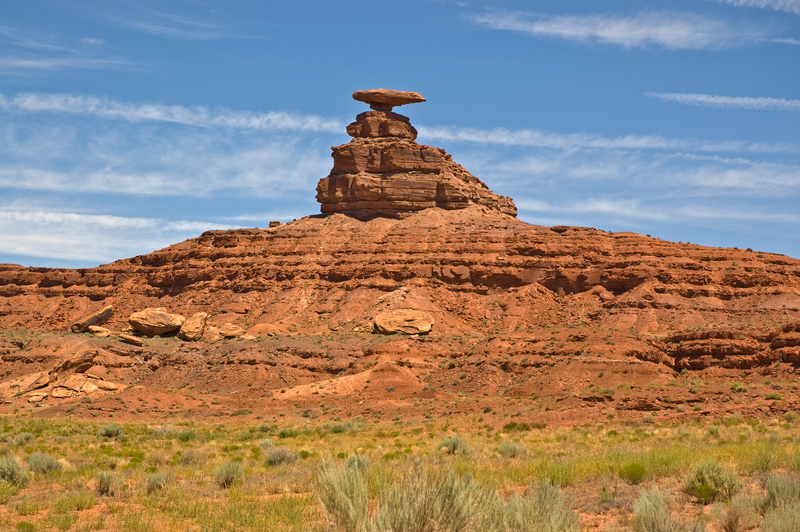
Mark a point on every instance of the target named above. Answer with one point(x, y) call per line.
point(100, 332)
point(193, 328)
point(41, 381)
point(96, 318)
point(229, 330)
point(154, 321)
point(89, 387)
point(62, 393)
point(384, 172)
point(77, 363)
point(37, 397)
point(385, 99)
point(403, 321)
point(130, 339)
point(105, 385)
point(73, 382)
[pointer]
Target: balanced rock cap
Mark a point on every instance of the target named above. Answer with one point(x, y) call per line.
point(385, 99)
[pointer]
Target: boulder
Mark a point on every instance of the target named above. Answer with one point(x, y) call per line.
point(129, 339)
point(77, 363)
point(62, 393)
point(229, 330)
point(97, 318)
point(100, 332)
point(40, 382)
point(403, 321)
point(37, 397)
point(108, 386)
point(154, 321)
point(74, 382)
point(193, 328)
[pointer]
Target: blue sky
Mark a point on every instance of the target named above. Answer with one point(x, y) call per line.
point(129, 125)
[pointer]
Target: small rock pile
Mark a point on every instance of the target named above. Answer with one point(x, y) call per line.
point(384, 172)
point(155, 322)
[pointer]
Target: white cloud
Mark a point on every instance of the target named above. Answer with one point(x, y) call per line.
point(729, 102)
point(16, 64)
point(674, 31)
point(89, 237)
point(194, 116)
point(545, 139)
point(795, 42)
point(789, 6)
point(90, 41)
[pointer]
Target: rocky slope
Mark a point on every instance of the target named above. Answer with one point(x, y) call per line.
point(558, 324)
point(519, 310)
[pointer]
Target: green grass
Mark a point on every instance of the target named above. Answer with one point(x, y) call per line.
point(212, 476)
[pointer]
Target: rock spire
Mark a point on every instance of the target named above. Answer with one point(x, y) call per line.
point(384, 172)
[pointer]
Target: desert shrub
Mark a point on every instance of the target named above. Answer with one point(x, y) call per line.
point(41, 463)
point(709, 480)
point(357, 461)
point(7, 490)
point(25, 526)
point(781, 491)
point(266, 443)
point(74, 501)
point(510, 450)
point(740, 515)
point(541, 509)
point(791, 417)
point(110, 431)
point(157, 482)
point(11, 471)
point(105, 483)
point(632, 473)
point(343, 496)
point(186, 435)
point(782, 519)
point(281, 455)
point(288, 433)
point(513, 426)
point(24, 438)
point(228, 473)
point(191, 457)
point(430, 500)
point(29, 506)
point(454, 445)
point(651, 514)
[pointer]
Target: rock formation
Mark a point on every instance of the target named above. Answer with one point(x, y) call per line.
point(384, 172)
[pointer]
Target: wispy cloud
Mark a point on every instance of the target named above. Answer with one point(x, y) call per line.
point(789, 6)
point(169, 25)
point(545, 139)
point(32, 51)
point(194, 116)
point(729, 102)
point(787, 40)
point(90, 237)
point(16, 64)
point(674, 31)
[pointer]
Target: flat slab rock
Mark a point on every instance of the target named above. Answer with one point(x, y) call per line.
point(403, 321)
point(386, 98)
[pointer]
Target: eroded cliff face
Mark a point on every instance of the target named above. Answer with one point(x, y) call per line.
point(475, 270)
point(384, 172)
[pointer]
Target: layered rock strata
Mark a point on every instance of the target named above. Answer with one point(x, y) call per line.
point(384, 172)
